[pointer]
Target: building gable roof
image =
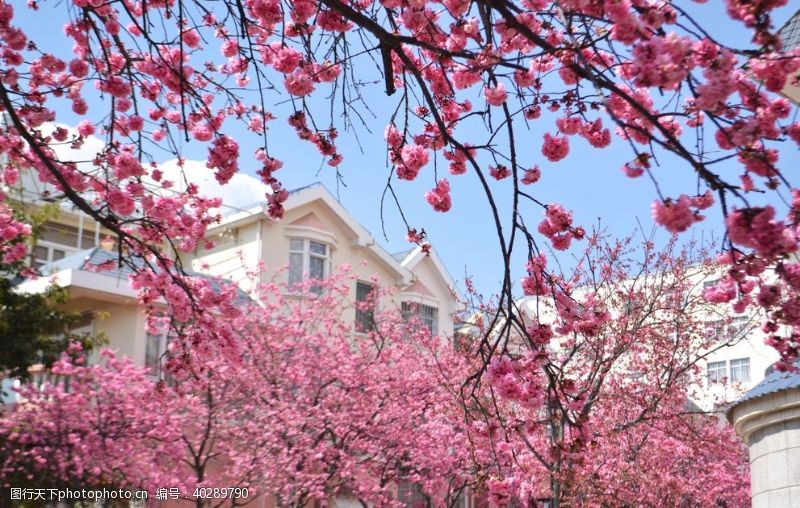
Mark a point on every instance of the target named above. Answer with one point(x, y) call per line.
point(319, 193)
point(415, 256)
point(790, 33)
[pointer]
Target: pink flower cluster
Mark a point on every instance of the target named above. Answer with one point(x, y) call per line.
point(557, 226)
point(12, 234)
point(439, 196)
point(660, 62)
point(535, 283)
point(223, 155)
point(409, 160)
point(531, 176)
point(679, 215)
point(499, 172)
point(323, 141)
point(758, 229)
point(497, 95)
point(555, 148)
point(458, 161)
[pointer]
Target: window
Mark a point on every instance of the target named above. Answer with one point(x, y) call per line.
point(69, 236)
point(56, 241)
point(308, 258)
point(715, 328)
point(411, 495)
point(675, 298)
point(44, 254)
point(427, 315)
point(154, 354)
point(739, 325)
point(710, 283)
point(716, 372)
point(740, 370)
point(365, 307)
point(728, 330)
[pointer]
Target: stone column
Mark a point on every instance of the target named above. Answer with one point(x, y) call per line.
point(770, 426)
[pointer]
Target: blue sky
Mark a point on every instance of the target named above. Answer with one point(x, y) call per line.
point(588, 181)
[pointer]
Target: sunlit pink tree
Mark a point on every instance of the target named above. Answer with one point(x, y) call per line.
point(325, 410)
point(590, 402)
point(468, 79)
point(90, 426)
point(283, 399)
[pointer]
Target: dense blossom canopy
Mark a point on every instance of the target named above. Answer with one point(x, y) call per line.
point(470, 78)
point(286, 402)
point(592, 404)
point(489, 89)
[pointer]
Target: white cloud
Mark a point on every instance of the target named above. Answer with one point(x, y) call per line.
point(242, 191)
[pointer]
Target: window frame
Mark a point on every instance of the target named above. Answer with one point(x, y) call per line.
point(719, 369)
point(410, 309)
point(742, 367)
point(365, 319)
point(307, 254)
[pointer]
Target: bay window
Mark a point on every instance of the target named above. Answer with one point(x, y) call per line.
point(308, 259)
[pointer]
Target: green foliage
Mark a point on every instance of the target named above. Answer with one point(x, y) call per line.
point(33, 330)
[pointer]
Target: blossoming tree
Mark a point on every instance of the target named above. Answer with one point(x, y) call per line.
point(469, 77)
point(469, 80)
point(98, 426)
point(289, 404)
point(590, 402)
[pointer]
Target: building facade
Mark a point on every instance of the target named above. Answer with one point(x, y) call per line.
point(316, 237)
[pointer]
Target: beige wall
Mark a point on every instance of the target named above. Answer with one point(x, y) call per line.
point(236, 252)
point(256, 238)
point(122, 323)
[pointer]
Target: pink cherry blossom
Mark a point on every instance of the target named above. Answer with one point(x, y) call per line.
point(439, 196)
point(497, 95)
point(555, 148)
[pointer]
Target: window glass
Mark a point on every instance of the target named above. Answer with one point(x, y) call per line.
point(318, 248)
point(153, 352)
point(411, 495)
point(365, 312)
point(740, 370)
point(716, 372)
point(738, 326)
point(715, 328)
point(316, 268)
point(67, 235)
point(295, 268)
point(430, 318)
point(427, 315)
point(308, 258)
point(40, 253)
